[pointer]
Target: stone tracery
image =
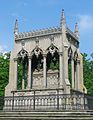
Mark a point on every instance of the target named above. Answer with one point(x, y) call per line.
point(22, 55)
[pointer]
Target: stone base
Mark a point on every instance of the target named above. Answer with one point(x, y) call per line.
point(46, 91)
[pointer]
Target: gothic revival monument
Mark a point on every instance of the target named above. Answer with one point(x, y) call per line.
point(46, 60)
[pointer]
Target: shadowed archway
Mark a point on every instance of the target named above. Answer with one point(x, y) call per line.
point(22, 69)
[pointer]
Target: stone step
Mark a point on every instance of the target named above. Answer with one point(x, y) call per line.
point(46, 118)
point(53, 115)
point(47, 112)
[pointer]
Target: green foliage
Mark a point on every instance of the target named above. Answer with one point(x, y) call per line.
point(54, 66)
point(19, 82)
point(88, 72)
point(69, 72)
point(4, 71)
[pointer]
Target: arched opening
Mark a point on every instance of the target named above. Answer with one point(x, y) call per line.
point(37, 59)
point(52, 58)
point(75, 64)
point(52, 62)
point(70, 53)
point(22, 69)
point(37, 67)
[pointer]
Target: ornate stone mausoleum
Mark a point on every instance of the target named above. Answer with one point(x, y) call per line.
point(46, 59)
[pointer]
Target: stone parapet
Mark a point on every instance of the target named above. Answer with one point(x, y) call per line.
point(43, 32)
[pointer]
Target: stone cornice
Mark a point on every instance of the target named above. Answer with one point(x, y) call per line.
point(43, 32)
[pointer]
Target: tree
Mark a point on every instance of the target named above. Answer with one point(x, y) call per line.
point(4, 71)
point(88, 72)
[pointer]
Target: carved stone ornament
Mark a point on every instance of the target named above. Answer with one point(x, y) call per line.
point(52, 39)
point(37, 41)
point(37, 51)
point(52, 49)
point(22, 54)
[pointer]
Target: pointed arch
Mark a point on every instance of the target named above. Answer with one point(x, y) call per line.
point(52, 57)
point(22, 55)
point(37, 51)
point(70, 56)
point(22, 69)
point(70, 53)
point(75, 55)
point(52, 49)
point(37, 58)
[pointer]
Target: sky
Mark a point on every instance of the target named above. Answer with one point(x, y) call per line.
point(38, 14)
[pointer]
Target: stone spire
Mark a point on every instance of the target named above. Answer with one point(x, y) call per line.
point(63, 28)
point(16, 27)
point(63, 19)
point(76, 30)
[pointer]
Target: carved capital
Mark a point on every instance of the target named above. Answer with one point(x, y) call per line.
point(60, 53)
point(29, 57)
point(44, 54)
point(15, 59)
point(66, 45)
point(73, 58)
point(78, 61)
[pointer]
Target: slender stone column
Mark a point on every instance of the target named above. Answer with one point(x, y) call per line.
point(60, 69)
point(78, 75)
point(44, 71)
point(72, 69)
point(29, 74)
point(23, 75)
point(66, 61)
point(66, 80)
point(15, 73)
point(75, 76)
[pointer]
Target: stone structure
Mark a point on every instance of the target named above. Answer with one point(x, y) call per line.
point(46, 59)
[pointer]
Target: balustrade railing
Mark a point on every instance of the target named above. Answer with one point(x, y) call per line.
point(47, 102)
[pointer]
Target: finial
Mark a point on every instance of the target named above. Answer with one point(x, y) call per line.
point(63, 19)
point(76, 30)
point(16, 27)
point(63, 16)
point(76, 27)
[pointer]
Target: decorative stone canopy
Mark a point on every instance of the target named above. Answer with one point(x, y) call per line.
point(53, 60)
